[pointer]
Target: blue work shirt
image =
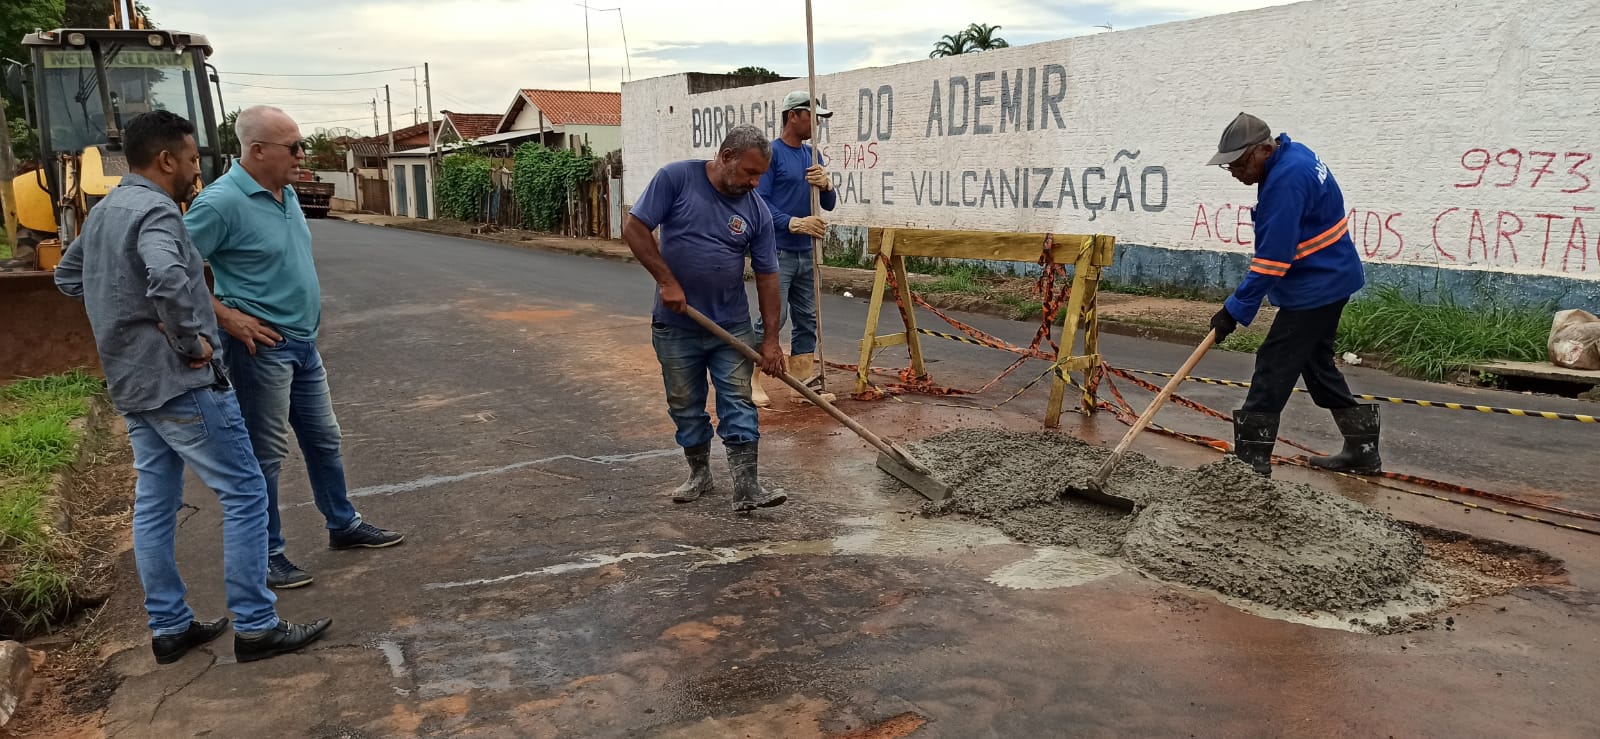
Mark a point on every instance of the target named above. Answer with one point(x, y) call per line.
point(705, 237)
point(144, 288)
point(260, 252)
point(1304, 256)
point(788, 195)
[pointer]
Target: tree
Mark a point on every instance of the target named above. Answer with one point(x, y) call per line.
point(24, 140)
point(228, 134)
point(976, 37)
point(951, 45)
point(982, 38)
point(761, 72)
point(323, 153)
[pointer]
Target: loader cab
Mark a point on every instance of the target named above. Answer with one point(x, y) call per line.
point(81, 86)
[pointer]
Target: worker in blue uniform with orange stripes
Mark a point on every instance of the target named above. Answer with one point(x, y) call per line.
point(1307, 265)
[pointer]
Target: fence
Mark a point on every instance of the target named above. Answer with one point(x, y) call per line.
point(593, 209)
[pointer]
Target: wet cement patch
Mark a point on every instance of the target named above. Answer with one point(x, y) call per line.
point(1282, 550)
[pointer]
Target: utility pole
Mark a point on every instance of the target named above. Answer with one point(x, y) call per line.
point(427, 86)
point(416, 97)
point(433, 144)
point(587, 54)
point(8, 170)
point(375, 129)
point(388, 103)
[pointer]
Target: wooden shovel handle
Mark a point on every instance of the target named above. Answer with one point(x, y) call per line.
point(1155, 405)
point(800, 387)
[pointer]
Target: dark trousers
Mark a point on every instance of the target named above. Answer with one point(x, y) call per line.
point(1300, 344)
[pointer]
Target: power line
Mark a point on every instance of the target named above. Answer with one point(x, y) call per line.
point(301, 89)
point(336, 120)
point(336, 74)
point(307, 104)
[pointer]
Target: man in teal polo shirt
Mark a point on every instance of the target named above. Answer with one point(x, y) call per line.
point(249, 226)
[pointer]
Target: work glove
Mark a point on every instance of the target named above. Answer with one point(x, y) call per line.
point(818, 177)
point(1223, 323)
point(809, 225)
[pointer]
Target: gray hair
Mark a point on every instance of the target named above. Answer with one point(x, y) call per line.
point(253, 124)
point(744, 138)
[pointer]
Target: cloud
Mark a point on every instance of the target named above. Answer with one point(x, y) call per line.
point(482, 51)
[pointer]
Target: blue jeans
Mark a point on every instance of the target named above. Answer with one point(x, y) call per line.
point(797, 298)
point(687, 356)
point(201, 428)
point(285, 387)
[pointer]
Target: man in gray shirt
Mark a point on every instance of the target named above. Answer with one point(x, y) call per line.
point(144, 287)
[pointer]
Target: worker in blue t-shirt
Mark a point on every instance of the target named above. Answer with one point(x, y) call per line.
point(710, 221)
point(1307, 265)
point(787, 190)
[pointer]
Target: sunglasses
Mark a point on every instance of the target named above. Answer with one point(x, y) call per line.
point(294, 148)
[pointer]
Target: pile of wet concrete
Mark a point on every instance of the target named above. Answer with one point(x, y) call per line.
point(1221, 527)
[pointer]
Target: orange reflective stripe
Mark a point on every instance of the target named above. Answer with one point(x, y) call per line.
point(1269, 267)
point(1321, 241)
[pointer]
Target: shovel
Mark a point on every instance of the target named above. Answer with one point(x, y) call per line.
point(892, 458)
point(1095, 490)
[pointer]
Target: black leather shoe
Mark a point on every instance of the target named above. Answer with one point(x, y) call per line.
point(281, 639)
point(365, 536)
point(169, 649)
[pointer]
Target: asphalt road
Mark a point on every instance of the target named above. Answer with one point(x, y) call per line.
point(503, 408)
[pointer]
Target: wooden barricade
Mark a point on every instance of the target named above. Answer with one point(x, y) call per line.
point(1089, 255)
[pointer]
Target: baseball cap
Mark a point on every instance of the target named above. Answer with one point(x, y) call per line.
point(1244, 132)
point(798, 100)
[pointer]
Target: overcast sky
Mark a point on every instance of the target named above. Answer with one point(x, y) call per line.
point(482, 51)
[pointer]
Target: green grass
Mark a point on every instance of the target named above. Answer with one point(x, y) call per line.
point(1244, 342)
point(36, 440)
point(961, 280)
point(1431, 336)
point(846, 260)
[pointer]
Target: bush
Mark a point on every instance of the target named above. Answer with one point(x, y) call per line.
point(464, 179)
point(541, 180)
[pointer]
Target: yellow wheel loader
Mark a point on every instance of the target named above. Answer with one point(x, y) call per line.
point(80, 87)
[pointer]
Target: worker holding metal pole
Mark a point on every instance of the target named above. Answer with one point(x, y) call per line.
point(788, 189)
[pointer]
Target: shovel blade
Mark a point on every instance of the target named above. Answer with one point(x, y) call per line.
point(1096, 493)
point(915, 476)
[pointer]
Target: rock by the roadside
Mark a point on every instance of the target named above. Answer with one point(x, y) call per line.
point(16, 671)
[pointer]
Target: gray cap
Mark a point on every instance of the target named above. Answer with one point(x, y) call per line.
point(799, 100)
point(1244, 132)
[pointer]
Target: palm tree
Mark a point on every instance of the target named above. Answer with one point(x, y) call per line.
point(952, 45)
point(982, 38)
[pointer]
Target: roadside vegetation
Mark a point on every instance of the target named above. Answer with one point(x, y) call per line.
point(37, 441)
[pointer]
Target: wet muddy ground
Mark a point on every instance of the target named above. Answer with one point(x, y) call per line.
point(503, 409)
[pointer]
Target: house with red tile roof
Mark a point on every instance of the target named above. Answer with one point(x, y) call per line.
point(467, 126)
point(567, 118)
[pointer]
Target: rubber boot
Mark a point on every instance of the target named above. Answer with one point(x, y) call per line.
point(748, 494)
point(1254, 435)
point(802, 366)
point(699, 481)
point(758, 395)
point(1359, 424)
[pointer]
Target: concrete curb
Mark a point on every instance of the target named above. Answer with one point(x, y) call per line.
point(16, 674)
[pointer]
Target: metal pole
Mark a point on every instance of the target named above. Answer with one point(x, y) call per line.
point(625, 53)
point(816, 205)
point(587, 54)
point(376, 130)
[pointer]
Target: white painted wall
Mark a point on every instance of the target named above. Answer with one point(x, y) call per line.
point(344, 183)
point(602, 139)
point(528, 119)
point(1462, 134)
